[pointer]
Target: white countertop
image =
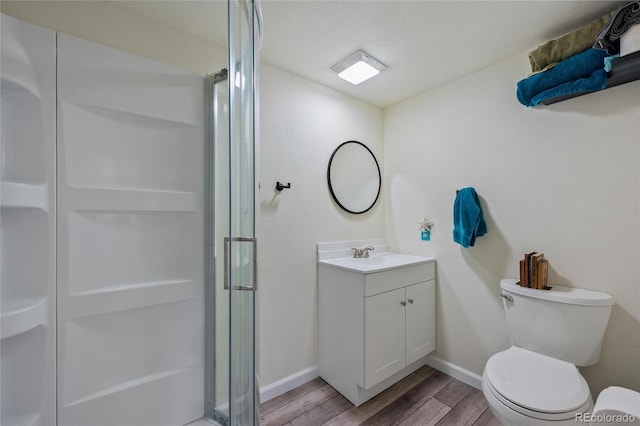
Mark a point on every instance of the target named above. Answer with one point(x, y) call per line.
point(376, 262)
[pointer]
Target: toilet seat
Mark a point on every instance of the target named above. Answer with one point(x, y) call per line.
point(536, 385)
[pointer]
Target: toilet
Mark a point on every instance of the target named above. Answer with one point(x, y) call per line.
point(536, 381)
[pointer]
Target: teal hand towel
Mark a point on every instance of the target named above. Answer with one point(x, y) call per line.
point(468, 220)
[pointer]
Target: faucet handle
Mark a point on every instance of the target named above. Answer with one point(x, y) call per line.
point(365, 251)
point(356, 252)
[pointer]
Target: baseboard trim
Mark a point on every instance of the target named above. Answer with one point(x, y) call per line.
point(284, 385)
point(455, 371)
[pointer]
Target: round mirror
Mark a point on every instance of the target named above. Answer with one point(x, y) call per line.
point(354, 177)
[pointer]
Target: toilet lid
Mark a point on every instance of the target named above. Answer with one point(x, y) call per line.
point(537, 382)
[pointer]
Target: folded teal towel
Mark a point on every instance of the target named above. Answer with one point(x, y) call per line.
point(574, 68)
point(468, 220)
point(596, 81)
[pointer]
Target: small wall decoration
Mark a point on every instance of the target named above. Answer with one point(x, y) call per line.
point(425, 229)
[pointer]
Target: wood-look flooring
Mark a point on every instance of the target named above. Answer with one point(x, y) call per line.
point(425, 397)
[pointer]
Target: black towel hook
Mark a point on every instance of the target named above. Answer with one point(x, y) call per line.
point(281, 186)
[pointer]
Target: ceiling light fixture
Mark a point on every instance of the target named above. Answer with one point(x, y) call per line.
point(358, 67)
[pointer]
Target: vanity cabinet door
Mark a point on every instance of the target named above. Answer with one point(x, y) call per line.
point(420, 314)
point(384, 342)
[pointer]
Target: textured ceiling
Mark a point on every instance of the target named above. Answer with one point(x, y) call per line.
point(423, 43)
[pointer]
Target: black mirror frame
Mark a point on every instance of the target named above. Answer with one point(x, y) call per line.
point(333, 195)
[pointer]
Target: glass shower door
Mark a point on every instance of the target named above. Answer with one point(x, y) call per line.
point(241, 244)
point(234, 235)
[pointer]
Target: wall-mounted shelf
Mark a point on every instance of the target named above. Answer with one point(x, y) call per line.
point(623, 70)
point(24, 195)
point(22, 315)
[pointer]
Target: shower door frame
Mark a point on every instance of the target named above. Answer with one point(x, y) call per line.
point(217, 312)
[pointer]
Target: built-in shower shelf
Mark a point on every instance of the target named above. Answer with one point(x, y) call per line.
point(22, 195)
point(132, 296)
point(21, 315)
point(107, 199)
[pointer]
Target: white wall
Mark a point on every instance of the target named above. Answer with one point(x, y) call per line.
point(563, 180)
point(301, 124)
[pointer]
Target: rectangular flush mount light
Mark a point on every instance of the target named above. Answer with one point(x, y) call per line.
point(358, 67)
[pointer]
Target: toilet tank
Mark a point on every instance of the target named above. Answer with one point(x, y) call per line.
point(565, 322)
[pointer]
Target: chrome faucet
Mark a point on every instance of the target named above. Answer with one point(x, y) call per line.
point(363, 252)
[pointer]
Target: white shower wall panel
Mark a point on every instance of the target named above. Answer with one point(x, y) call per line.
point(130, 239)
point(163, 355)
point(27, 218)
point(25, 235)
point(24, 153)
point(121, 150)
point(129, 249)
point(24, 402)
point(100, 76)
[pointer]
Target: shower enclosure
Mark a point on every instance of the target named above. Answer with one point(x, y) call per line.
point(128, 248)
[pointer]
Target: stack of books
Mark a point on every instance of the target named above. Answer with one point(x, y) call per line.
point(533, 271)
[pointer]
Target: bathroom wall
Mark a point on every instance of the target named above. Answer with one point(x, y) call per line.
point(563, 180)
point(301, 124)
point(112, 25)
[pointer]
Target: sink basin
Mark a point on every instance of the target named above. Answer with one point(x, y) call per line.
point(375, 262)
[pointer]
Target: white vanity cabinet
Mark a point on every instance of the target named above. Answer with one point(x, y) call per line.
point(398, 330)
point(375, 326)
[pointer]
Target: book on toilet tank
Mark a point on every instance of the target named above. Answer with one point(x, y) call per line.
point(536, 260)
point(542, 271)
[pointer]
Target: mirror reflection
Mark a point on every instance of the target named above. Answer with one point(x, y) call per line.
point(354, 177)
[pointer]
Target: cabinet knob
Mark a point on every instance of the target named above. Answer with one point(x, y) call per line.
point(410, 300)
point(403, 303)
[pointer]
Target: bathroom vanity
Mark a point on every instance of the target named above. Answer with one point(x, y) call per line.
point(376, 319)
